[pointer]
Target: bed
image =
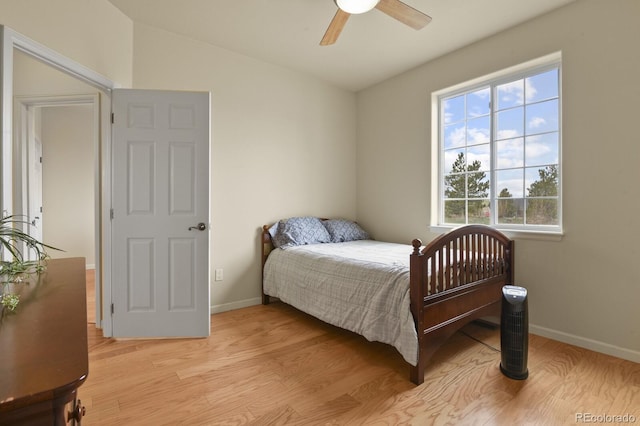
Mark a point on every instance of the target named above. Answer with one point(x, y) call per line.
point(412, 297)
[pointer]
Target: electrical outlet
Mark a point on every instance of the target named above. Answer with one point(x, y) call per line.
point(219, 274)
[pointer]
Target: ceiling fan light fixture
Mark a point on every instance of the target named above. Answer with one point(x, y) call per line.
point(355, 7)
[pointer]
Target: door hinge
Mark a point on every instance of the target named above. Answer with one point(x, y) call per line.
point(40, 159)
point(111, 214)
point(113, 309)
point(113, 119)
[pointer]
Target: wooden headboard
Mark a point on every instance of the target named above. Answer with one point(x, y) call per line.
point(267, 244)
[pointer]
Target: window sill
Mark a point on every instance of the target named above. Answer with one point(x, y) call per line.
point(516, 234)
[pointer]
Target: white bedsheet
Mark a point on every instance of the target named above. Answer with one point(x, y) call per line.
point(368, 295)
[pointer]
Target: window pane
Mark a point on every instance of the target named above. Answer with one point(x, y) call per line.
point(478, 102)
point(542, 117)
point(509, 153)
point(454, 135)
point(454, 186)
point(477, 185)
point(511, 181)
point(453, 109)
point(478, 130)
point(510, 94)
point(511, 210)
point(542, 181)
point(479, 211)
point(541, 149)
point(479, 158)
point(454, 161)
point(454, 211)
point(542, 86)
point(510, 123)
point(542, 211)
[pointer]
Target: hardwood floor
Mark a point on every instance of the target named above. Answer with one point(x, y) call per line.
point(273, 365)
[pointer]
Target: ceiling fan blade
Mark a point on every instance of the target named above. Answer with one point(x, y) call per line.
point(404, 13)
point(335, 28)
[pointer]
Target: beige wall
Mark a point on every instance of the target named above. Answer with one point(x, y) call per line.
point(67, 135)
point(92, 32)
point(282, 144)
point(34, 78)
point(585, 288)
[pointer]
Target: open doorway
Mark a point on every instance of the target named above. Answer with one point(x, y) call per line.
point(55, 186)
point(55, 190)
point(56, 138)
point(29, 71)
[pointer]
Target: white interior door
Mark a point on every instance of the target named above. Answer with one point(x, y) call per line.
point(160, 224)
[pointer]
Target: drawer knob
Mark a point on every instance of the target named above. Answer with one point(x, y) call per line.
point(77, 413)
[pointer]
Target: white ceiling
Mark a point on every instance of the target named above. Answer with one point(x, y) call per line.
point(371, 48)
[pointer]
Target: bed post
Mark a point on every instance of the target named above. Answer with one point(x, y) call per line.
point(266, 247)
point(417, 277)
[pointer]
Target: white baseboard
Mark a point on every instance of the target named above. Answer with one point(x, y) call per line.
point(586, 343)
point(216, 309)
point(91, 266)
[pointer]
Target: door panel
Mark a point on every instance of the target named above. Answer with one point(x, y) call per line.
point(160, 283)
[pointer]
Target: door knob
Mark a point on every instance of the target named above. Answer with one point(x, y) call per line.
point(200, 227)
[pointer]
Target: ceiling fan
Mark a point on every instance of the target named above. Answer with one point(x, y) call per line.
point(394, 8)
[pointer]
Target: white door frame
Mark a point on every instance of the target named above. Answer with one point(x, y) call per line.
point(10, 40)
point(21, 106)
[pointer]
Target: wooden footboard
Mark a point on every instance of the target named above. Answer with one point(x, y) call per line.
point(455, 279)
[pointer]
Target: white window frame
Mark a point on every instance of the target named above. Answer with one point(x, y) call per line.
point(547, 62)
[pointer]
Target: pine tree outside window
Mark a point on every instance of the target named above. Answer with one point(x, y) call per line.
point(499, 150)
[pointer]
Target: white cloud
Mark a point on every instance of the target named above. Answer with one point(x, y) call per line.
point(508, 134)
point(536, 122)
point(477, 136)
point(447, 117)
point(510, 153)
point(483, 158)
point(530, 90)
point(542, 149)
point(456, 137)
point(537, 150)
point(513, 94)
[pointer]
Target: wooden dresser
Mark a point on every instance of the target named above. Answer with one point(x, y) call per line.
point(43, 349)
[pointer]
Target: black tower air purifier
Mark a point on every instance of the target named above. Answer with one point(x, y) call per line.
point(514, 332)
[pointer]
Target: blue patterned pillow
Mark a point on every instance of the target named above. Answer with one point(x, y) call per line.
point(273, 229)
point(297, 231)
point(342, 230)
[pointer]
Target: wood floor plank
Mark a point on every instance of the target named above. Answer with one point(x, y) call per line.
point(282, 415)
point(273, 365)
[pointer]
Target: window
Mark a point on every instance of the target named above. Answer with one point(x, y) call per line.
point(499, 151)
